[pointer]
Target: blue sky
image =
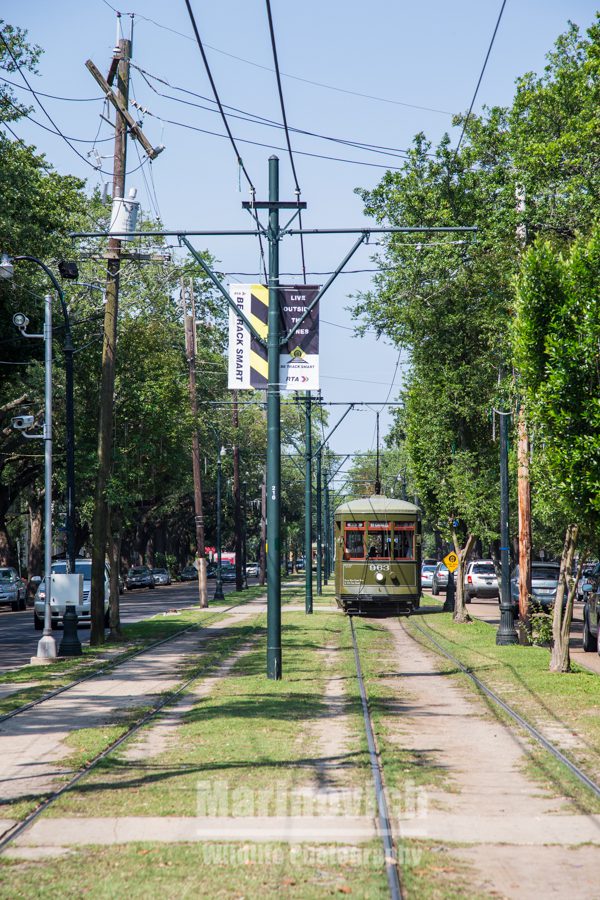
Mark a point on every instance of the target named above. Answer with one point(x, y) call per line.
point(414, 63)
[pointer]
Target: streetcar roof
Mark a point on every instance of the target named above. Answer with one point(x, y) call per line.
point(377, 504)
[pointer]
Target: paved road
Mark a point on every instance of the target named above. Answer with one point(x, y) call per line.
point(489, 611)
point(18, 640)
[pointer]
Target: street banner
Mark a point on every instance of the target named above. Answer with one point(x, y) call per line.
point(247, 357)
point(299, 358)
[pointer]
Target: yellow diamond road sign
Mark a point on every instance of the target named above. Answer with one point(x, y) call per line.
point(451, 562)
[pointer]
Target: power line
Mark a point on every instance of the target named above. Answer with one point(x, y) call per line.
point(41, 105)
point(56, 130)
point(243, 115)
point(356, 162)
point(287, 133)
point(487, 56)
point(328, 87)
point(51, 96)
point(224, 118)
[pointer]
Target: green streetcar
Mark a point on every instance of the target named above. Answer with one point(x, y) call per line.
point(377, 556)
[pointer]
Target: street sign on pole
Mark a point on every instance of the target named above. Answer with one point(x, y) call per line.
point(451, 561)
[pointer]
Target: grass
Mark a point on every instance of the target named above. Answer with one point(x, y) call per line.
point(249, 731)
point(212, 871)
point(519, 675)
point(137, 635)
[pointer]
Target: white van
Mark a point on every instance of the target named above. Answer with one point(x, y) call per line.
point(82, 567)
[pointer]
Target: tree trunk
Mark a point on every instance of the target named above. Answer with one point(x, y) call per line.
point(114, 552)
point(460, 609)
point(35, 560)
point(560, 661)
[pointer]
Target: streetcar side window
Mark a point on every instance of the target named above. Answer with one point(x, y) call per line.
point(379, 542)
point(355, 544)
point(404, 539)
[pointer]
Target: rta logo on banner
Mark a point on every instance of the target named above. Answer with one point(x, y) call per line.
point(299, 357)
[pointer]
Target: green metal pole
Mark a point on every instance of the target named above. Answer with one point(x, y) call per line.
point(273, 437)
point(506, 633)
point(319, 526)
point(218, 595)
point(326, 528)
point(308, 602)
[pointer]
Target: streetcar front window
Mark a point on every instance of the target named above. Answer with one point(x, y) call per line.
point(355, 546)
point(379, 543)
point(404, 543)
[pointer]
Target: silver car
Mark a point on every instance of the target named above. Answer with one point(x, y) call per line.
point(12, 589)
point(439, 582)
point(161, 576)
point(427, 571)
point(544, 584)
point(481, 580)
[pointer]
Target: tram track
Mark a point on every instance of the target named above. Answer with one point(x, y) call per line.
point(14, 831)
point(385, 827)
point(512, 713)
point(108, 667)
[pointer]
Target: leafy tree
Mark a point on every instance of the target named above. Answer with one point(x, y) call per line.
point(557, 336)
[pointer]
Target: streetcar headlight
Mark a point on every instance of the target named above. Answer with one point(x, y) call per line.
point(380, 577)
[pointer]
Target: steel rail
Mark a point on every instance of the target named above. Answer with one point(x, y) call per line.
point(10, 834)
point(107, 667)
point(391, 860)
point(539, 737)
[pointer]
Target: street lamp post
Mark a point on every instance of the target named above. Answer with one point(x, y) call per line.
point(46, 645)
point(67, 270)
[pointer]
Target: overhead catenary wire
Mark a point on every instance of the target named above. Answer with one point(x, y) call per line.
point(287, 133)
point(479, 80)
point(225, 122)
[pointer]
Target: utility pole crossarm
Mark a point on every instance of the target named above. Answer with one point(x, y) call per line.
point(230, 301)
point(134, 128)
point(363, 237)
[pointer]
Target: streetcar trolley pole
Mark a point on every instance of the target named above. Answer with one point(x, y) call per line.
point(273, 234)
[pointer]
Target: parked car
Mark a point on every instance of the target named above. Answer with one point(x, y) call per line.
point(82, 567)
point(544, 584)
point(139, 577)
point(584, 579)
point(189, 573)
point(591, 611)
point(227, 571)
point(12, 589)
point(481, 580)
point(439, 582)
point(427, 570)
point(300, 565)
point(252, 570)
point(161, 576)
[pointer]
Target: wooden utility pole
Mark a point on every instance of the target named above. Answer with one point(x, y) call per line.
point(189, 319)
point(237, 505)
point(523, 470)
point(107, 384)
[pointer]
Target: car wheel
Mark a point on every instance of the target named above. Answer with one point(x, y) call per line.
point(37, 623)
point(434, 589)
point(14, 605)
point(152, 586)
point(588, 639)
point(22, 603)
